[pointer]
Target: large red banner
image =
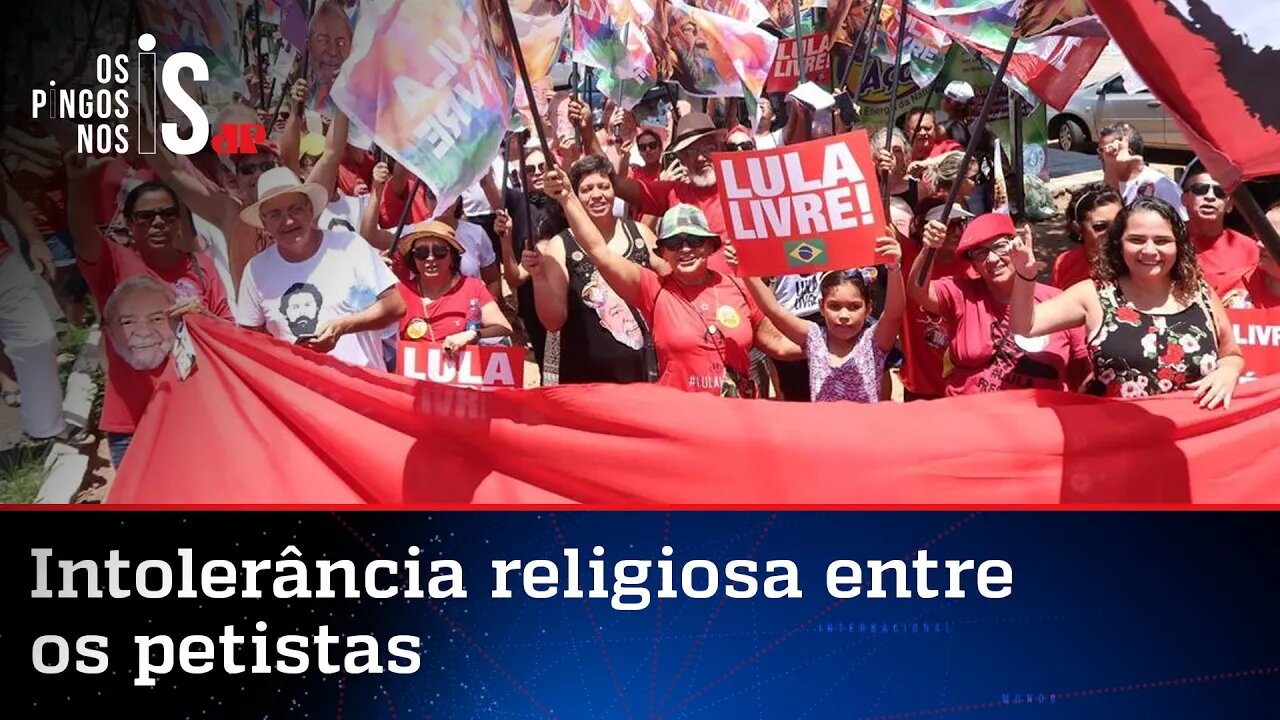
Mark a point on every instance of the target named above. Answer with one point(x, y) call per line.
point(1258, 334)
point(802, 208)
point(476, 366)
point(785, 75)
point(262, 421)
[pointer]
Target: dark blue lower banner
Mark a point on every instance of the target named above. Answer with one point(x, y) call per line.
point(502, 615)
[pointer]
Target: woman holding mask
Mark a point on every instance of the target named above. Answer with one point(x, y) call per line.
point(1090, 213)
point(441, 301)
point(1154, 325)
point(986, 350)
point(704, 323)
point(598, 336)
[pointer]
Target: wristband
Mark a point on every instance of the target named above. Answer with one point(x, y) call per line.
point(1024, 277)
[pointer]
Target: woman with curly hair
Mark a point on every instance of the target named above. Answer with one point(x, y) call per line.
point(1154, 325)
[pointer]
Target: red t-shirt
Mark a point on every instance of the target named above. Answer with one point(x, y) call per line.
point(925, 336)
point(1249, 290)
point(646, 177)
point(447, 314)
point(128, 390)
point(356, 179)
point(940, 147)
point(48, 207)
point(1070, 268)
point(690, 357)
point(112, 179)
point(661, 196)
point(987, 357)
point(392, 205)
point(1226, 256)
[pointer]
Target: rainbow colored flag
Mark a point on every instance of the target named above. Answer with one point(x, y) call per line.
point(926, 46)
point(986, 23)
point(609, 35)
point(713, 55)
point(430, 82)
point(203, 27)
point(939, 8)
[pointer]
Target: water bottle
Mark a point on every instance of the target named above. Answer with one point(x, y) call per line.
point(473, 315)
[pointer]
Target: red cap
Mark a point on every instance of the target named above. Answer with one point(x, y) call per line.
point(983, 229)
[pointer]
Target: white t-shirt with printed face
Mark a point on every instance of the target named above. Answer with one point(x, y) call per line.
point(344, 277)
point(1153, 183)
point(479, 250)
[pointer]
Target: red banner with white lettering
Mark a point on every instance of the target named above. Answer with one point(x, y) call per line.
point(802, 208)
point(264, 421)
point(476, 366)
point(1258, 335)
point(785, 75)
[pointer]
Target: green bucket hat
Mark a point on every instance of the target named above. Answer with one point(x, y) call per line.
point(684, 219)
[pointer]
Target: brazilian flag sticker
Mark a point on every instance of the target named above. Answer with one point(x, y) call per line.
point(805, 252)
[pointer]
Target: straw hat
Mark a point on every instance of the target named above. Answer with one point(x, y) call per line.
point(278, 181)
point(428, 229)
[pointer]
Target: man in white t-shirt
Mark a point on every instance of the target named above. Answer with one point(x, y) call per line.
point(1123, 168)
point(326, 290)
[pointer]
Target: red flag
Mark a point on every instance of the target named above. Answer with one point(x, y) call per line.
point(262, 421)
point(1214, 68)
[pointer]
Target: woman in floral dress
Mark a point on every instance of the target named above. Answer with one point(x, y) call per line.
point(1154, 326)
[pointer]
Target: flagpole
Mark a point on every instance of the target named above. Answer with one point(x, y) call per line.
point(514, 39)
point(1018, 194)
point(527, 219)
point(893, 102)
point(1248, 206)
point(795, 15)
point(931, 253)
point(306, 39)
point(404, 211)
point(867, 38)
point(257, 48)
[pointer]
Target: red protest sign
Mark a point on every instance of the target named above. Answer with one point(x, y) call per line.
point(1258, 335)
point(785, 75)
point(477, 366)
point(802, 208)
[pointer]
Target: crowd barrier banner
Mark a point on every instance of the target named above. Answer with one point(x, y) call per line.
point(786, 67)
point(274, 423)
point(802, 208)
point(475, 366)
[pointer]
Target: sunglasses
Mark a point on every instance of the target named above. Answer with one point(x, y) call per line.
point(1000, 248)
point(539, 168)
point(248, 169)
point(1201, 189)
point(1100, 227)
point(425, 252)
point(735, 147)
point(649, 146)
point(146, 217)
point(693, 242)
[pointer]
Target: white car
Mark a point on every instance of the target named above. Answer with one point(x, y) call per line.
point(1106, 102)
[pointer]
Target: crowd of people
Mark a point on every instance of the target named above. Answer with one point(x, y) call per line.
point(606, 255)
